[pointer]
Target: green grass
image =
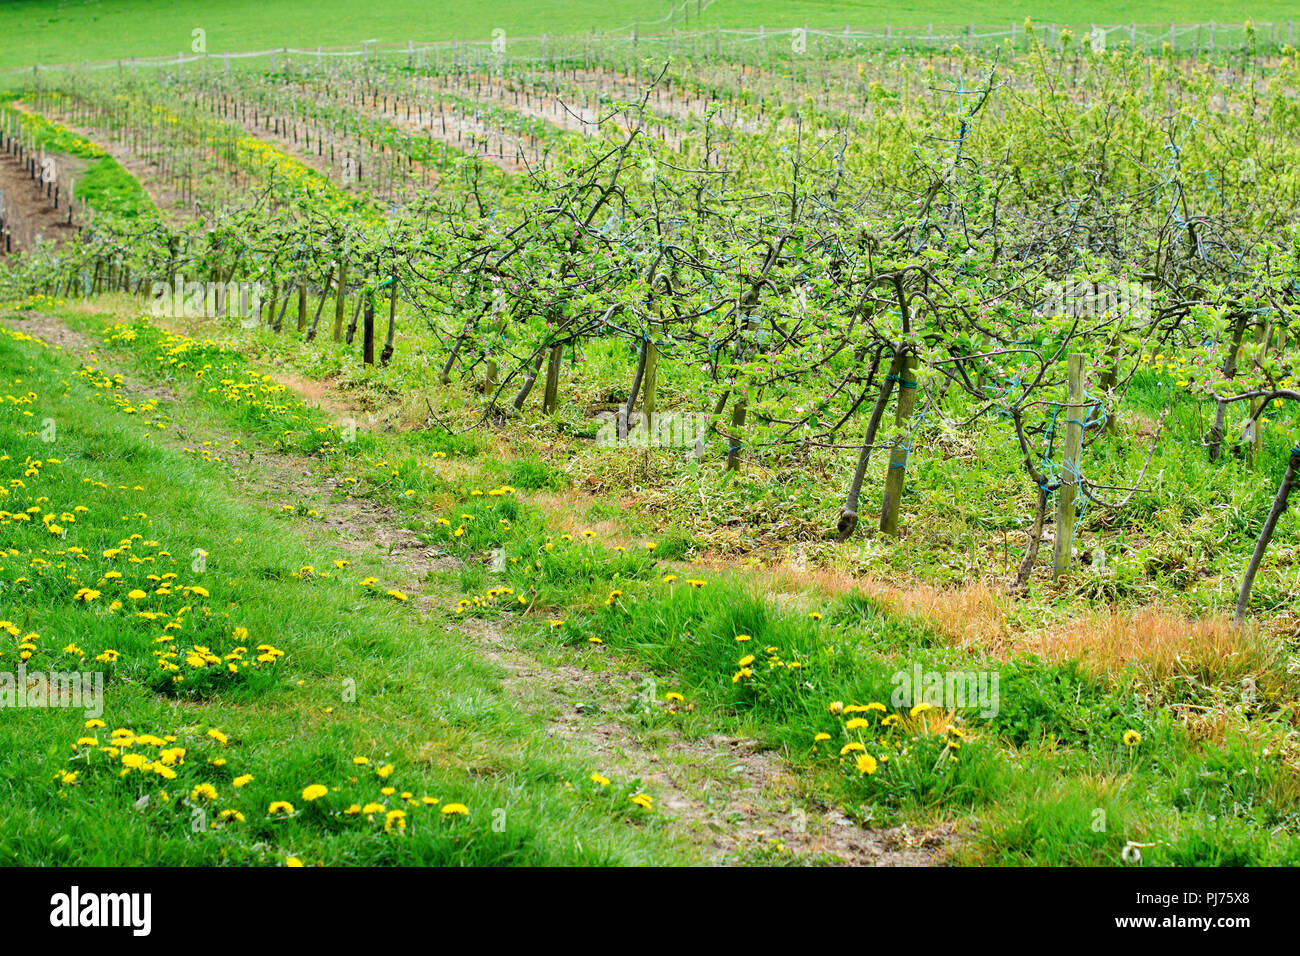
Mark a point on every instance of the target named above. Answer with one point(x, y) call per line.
point(103, 185)
point(359, 676)
point(45, 32)
point(1049, 777)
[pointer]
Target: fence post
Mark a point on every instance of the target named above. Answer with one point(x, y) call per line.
point(1066, 502)
point(894, 478)
point(340, 302)
point(648, 388)
point(368, 331)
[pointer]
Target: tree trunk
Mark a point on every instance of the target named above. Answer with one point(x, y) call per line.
point(849, 511)
point(1279, 506)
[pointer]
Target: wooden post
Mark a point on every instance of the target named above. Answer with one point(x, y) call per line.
point(1066, 502)
point(648, 393)
point(550, 399)
point(894, 478)
point(390, 340)
point(340, 303)
point(368, 331)
point(302, 302)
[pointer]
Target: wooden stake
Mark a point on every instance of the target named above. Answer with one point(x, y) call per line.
point(894, 478)
point(368, 331)
point(1066, 502)
point(651, 377)
point(340, 303)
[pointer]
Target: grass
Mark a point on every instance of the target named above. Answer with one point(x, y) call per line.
point(103, 185)
point(1182, 541)
point(1077, 762)
point(360, 675)
point(40, 31)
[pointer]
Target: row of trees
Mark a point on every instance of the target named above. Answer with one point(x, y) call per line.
point(1008, 262)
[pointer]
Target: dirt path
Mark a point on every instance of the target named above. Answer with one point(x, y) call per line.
point(735, 803)
point(164, 196)
point(28, 214)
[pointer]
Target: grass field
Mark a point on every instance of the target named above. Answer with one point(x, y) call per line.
point(362, 685)
point(48, 32)
point(951, 527)
point(380, 700)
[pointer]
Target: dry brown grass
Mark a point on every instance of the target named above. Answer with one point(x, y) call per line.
point(1161, 644)
point(973, 615)
point(566, 511)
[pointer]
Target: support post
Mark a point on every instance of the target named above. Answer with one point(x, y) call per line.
point(897, 474)
point(1067, 500)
